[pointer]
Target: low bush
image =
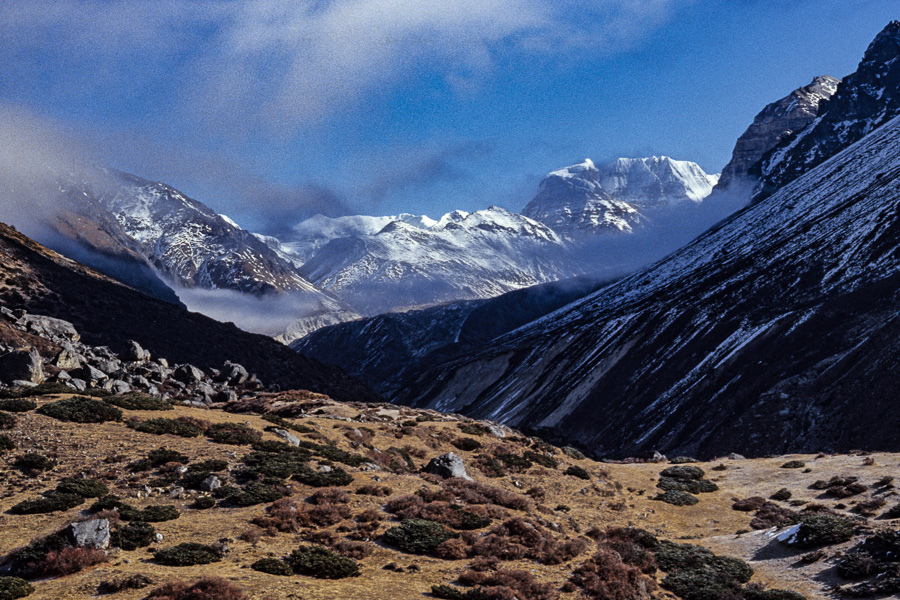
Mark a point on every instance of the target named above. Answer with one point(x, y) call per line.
point(472, 428)
point(285, 424)
point(542, 459)
point(132, 582)
point(837, 481)
point(187, 554)
point(695, 573)
point(677, 498)
point(684, 472)
point(466, 443)
point(518, 538)
point(683, 460)
point(208, 466)
point(161, 456)
point(573, 453)
point(793, 464)
point(80, 409)
point(354, 550)
point(692, 486)
point(322, 563)
point(71, 560)
point(206, 588)
point(489, 466)
point(782, 495)
point(604, 576)
point(821, 530)
point(418, 536)
point(166, 426)
point(335, 477)
point(238, 434)
point(381, 491)
point(12, 588)
point(203, 503)
point(856, 565)
point(576, 471)
point(133, 536)
point(41, 389)
point(273, 566)
point(283, 464)
point(749, 504)
point(471, 492)
point(258, 493)
point(506, 583)
point(334, 453)
point(330, 495)
point(845, 491)
point(136, 401)
point(86, 488)
point(46, 504)
point(869, 507)
point(32, 461)
point(772, 515)
point(16, 405)
point(7, 421)
point(158, 514)
point(6, 443)
point(513, 462)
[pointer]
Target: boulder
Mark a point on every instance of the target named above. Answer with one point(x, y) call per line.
point(90, 534)
point(79, 385)
point(496, 430)
point(233, 374)
point(287, 436)
point(68, 358)
point(117, 386)
point(24, 364)
point(210, 484)
point(133, 352)
point(188, 374)
point(56, 330)
point(90, 374)
point(448, 465)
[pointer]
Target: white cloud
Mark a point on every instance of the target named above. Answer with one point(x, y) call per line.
point(245, 63)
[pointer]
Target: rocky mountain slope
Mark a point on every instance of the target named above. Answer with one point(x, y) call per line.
point(381, 350)
point(278, 492)
point(863, 102)
point(785, 309)
point(616, 197)
point(105, 312)
point(776, 122)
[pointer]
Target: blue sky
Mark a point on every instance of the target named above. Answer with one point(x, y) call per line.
point(269, 111)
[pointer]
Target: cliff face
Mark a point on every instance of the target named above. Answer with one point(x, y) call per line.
point(773, 124)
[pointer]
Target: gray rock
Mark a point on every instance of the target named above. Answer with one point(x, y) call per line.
point(287, 436)
point(24, 364)
point(325, 469)
point(496, 430)
point(448, 465)
point(90, 374)
point(158, 538)
point(56, 330)
point(68, 358)
point(227, 396)
point(233, 374)
point(736, 456)
point(63, 376)
point(188, 374)
point(79, 385)
point(210, 484)
point(108, 366)
point(176, 492)
point(139, 381)
point(117, 386)
point(163, 362)
point(90, 534)
point(132, 352)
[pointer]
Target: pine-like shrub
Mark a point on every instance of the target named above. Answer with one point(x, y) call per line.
point(187, 554)
point(12, 588)
point(15, 405)
point(322, 563)
point(80, 409)
point(272, 566)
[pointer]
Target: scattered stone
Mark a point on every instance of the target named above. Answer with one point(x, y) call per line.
point(287, 436)
point(448, 465)
point(92, 534)
point(210, 484)
point(188, 374)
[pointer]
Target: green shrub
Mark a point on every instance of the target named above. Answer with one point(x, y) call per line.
point(576, 471)
point(677, 498)
point(6, 443)
point(466, 443)
point(166, 426)
point(541, 459)
point(337, 477)
point(856, 565)
point(203, 503)
point(695, 573)
point(158, 513)
point(272, 566)
point(161, 456)
point(258, 493)
point(821, 530)
point(41, 389)
point(754, 594)
point(282, 423)
point(694, 486)
point(684, 472)
point(322, 563)
point(277, 464)
point(135, 401)
point(109, 502)
point(573, 453)
point(334, 453)
point(514, 461)
point(448, 592)
point(46, 504)
point(783, 494)
point(12, 588)
point(208, 466)
point(418, 536)
point(80, 409)
point(7, 421)
point(472, 429)
point(188, 554)
point(16, 405)
point(32, 461)
point(237, 434)
point(86, 488)
point(489, 465)
point(793, 464)
point(138, 534)
point(682, 460)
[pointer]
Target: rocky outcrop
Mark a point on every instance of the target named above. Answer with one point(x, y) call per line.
point(90, 534)
point(863, 102)
point(776, 122)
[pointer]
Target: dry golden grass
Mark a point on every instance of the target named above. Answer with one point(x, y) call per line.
point(616, 495)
